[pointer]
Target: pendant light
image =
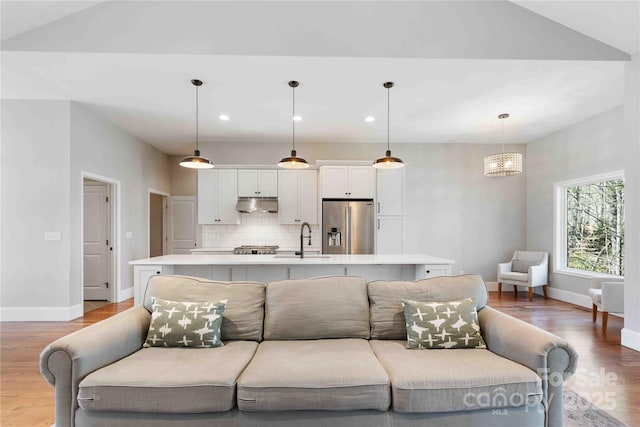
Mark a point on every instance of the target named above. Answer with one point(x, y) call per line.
point(196, 161)
point(388, 161)
point(293, 162)
point(503, 164)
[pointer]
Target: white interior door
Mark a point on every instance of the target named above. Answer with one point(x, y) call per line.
point(183, 224)
point(96, 242)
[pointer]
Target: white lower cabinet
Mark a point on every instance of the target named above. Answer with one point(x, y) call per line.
point(432, 271)
point(390, 231)
point(142, 274)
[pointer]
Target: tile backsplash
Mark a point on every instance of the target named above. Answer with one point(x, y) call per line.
point(258, 229)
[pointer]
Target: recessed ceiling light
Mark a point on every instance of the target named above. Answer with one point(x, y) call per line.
point(369, 119)
point(224, 117)
point(297, 118)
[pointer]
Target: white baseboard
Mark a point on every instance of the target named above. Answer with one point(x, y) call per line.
point(570, 297)
point(125, 294)
point(630, 338)
point(41, 314)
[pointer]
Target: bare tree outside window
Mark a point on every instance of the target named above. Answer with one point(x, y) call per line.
point(595, 227)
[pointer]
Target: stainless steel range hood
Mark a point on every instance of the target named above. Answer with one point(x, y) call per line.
point(257, 204)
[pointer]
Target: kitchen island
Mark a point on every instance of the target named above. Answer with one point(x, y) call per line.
point(266, 268)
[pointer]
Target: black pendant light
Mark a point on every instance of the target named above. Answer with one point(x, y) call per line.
point(196, 161)
point(293, 162)
point(388, 161)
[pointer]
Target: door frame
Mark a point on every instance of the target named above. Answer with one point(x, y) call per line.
point(165, 202)
point(115, 219)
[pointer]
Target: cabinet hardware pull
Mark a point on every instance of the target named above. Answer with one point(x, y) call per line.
point(378, 224)
point(378, 207)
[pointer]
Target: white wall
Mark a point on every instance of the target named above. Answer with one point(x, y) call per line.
point(41, 280)
point(631, 149)
point(587, 148)
point(99, 147)
point(35, 199)
point(453, 210)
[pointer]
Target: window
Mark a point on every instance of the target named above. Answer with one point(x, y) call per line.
point(589, 219)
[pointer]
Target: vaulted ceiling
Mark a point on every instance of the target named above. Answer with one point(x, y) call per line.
point(457, 65)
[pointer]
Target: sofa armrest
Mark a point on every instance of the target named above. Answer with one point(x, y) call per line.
point(66, 361)
point(539, 274)
point(612, 297)
point(550, 356)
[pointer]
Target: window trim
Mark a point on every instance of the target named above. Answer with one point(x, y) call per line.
point(560, 221)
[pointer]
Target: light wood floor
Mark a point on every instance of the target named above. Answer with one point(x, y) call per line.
point(27, 400)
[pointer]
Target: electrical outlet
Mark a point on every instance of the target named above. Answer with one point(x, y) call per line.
point(129, 235)
point(52, 235)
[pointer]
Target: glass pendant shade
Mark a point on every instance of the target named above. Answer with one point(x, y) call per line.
point(503, 164)
point(196, 161)
point(388, 162)
point(293, 162)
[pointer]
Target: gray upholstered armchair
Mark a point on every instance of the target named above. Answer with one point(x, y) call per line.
point(526, 268)
point(607, 294)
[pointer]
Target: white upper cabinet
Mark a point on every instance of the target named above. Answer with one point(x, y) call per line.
point(217, 196)
point(297, 197)
point(257, 183)
point(348, 182)
point(390, 191)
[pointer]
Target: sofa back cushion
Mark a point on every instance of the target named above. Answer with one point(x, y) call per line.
point(328, 307)
point(387, 316)
point(243, 314)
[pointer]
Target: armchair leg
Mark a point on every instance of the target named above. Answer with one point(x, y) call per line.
point(605, 318)
point(594, 312)
point(499, 288)
point(544, 291)
point(530, 294)
point(515, 290)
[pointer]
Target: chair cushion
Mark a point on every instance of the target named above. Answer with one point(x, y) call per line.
point(461, 380)
point(330, 374)
point(169, 380)
point(387, 315)
point(328, 307)
point(518, 277)
point(521, 266)
point(243, 314)
point(596, 295)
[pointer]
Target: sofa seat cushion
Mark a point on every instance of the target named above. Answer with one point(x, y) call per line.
point(169, 380)
point(455, 380)
point(518, 277)
point(329, 374)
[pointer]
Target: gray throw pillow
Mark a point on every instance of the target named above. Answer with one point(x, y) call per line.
point(185, 324)
point(520, 266)
point(435, 325)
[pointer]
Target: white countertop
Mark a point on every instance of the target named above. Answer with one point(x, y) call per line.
point(206, 250)
point(272, 260)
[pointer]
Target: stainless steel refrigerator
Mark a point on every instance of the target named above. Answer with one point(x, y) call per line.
point(348, 226)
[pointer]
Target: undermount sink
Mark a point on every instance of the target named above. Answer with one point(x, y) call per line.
point(306, 256)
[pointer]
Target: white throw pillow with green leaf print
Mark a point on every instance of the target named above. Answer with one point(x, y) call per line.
point(436, 325)
point(185, 324)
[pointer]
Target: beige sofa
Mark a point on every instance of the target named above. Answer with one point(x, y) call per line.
point(314, 352)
